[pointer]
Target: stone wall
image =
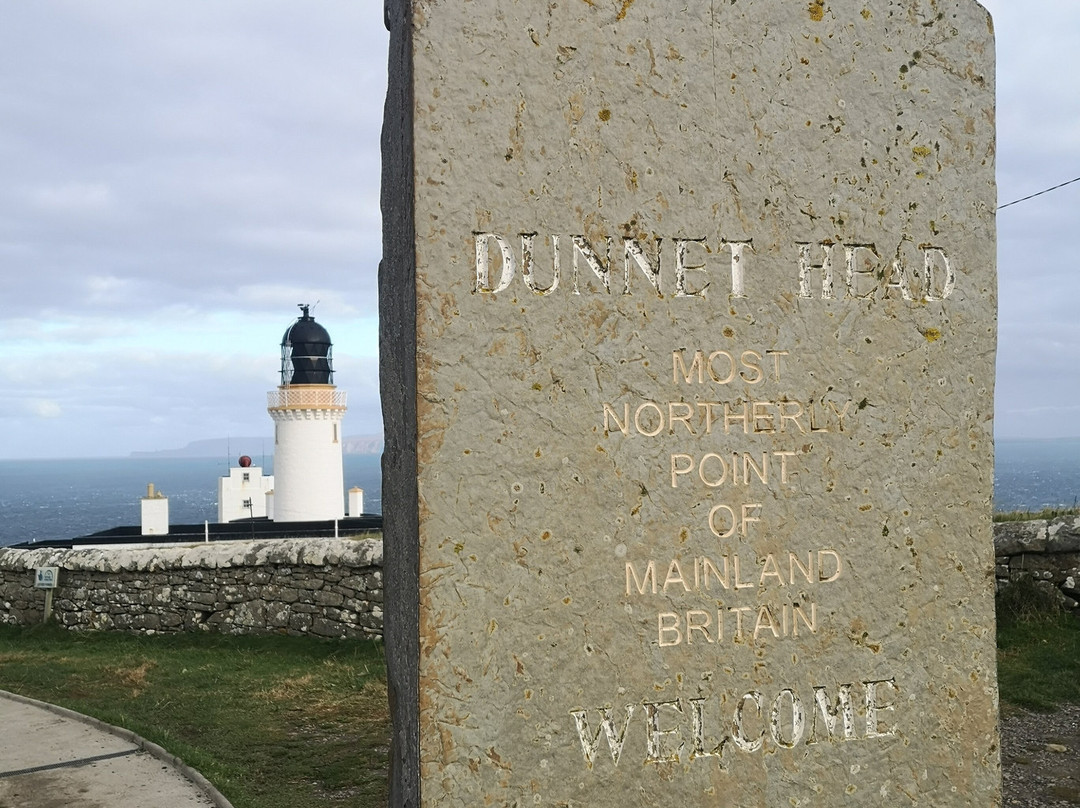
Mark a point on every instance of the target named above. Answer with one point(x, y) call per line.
point(1046, 550)
point(334, 587)
point(321, 587)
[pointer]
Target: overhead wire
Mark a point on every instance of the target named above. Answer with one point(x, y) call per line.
point(1040, 193)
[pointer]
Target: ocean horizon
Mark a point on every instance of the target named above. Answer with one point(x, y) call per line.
point(62, 499)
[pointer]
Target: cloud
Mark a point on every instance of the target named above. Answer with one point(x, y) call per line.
point(73, 198)
point(177, 176)
point(108, 390)
point(107, 290)
point(43, 408)
point(226, 143)
point(307, 242)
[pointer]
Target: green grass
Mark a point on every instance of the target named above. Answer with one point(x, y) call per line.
point(1038, 648)
point(1027, 516)
point(1039, 663)
point(284, 722)
point(273, 722)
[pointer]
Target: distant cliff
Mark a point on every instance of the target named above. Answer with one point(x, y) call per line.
point(363, 444)
point(257, 447)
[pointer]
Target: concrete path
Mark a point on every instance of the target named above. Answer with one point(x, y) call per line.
point(54, 758)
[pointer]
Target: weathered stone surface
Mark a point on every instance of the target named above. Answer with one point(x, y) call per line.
point(1042, 551)
point(1063, 535)
point(323, 598)
point(703, 508)
point(215, 555)
point(1014, 538)
point(299, 623)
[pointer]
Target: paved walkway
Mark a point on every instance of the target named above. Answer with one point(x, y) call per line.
point(54, 758)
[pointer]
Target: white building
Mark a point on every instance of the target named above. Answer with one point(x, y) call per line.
point(244, 493)
point(155, 512)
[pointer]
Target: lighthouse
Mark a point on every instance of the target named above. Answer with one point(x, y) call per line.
point(307, 410)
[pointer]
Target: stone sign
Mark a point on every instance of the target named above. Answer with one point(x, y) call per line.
point(688, 352)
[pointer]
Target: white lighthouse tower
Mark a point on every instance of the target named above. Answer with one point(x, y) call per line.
point(307, 410)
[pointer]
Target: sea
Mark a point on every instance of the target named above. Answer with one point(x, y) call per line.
point(60, 499)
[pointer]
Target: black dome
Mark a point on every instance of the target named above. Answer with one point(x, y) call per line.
point(306, 352)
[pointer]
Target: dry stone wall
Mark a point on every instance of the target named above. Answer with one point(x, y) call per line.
point(319, 587)
point(1046, 550)
point(334, 588)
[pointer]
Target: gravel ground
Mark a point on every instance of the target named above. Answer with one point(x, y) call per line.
point(1040, 758)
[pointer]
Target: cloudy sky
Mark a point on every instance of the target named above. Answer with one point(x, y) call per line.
point(178, 176)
